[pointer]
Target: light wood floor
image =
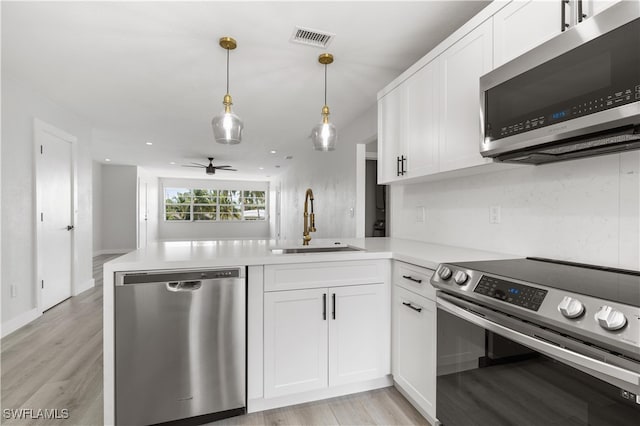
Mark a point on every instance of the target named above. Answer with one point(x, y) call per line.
point(55, 362)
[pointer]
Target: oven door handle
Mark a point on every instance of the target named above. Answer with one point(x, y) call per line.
point(543, 347)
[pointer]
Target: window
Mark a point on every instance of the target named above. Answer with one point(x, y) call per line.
point(214, 205)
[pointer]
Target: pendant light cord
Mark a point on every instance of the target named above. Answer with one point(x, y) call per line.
point(227, 71)
point(325, 84)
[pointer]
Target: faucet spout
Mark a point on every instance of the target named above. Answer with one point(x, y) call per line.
point(308, 217)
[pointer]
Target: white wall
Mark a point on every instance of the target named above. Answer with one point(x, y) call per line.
point(119, 208)
point(20, 105)
point(172, 230)
point(332, 178)
point(583, 210)
point(97, 207)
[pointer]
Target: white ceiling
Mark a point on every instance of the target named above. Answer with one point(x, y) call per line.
point(153, 71)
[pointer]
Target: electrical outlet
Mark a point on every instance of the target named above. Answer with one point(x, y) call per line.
point(14, 291)
point(494, 214)
point(420, 214)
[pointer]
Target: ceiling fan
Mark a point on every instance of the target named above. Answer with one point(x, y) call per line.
point(210, 169)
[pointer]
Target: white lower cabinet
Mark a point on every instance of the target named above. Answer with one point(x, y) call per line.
point(414, 344)
point(325, 337)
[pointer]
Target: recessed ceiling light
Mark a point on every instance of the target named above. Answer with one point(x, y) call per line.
point(149, 143)
point(172, 163)
point(260, 168)
point(273, 151)
point(107, 159)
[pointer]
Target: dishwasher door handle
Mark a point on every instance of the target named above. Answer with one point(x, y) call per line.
point(184, 286)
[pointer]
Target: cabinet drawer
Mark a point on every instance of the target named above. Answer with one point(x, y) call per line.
point(414, 278)
point(324, 274)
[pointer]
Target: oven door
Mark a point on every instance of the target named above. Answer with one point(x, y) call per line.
point(489, 374)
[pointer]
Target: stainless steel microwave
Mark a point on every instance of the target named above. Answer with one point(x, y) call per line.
point(576, 95)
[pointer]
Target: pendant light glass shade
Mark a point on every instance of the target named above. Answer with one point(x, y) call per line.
point(324, 135)
point(227, 127)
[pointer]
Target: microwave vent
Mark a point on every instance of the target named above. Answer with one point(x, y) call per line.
point(310, 37)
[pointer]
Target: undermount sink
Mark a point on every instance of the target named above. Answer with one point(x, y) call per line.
point(295, 250)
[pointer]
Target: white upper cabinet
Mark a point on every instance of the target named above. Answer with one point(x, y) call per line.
point(461, 67)
point(390, 135)
point(422, 122)
point(522, 25)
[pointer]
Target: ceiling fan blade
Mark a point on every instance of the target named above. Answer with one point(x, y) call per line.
point(229, 170)
point(221, 167)
point(188, 165)
point(198, 164)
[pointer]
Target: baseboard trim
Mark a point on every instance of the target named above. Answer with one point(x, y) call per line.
point(261, 404)
point(20, 321)
point(111, 251)
point(87, 285)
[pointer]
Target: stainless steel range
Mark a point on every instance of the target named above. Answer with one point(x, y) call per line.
point(537, 342)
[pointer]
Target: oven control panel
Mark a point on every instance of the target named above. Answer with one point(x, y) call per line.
point(516, 294)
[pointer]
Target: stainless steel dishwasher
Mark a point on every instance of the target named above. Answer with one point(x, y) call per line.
point(180, 345)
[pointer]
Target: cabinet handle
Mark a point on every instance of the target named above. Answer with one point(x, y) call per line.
point(324, 306)
point(409, 305)
point(410, 278)
point(581, 15)
point(397, 166)
point(333, 311)
point(563, 15)
point(404, 169)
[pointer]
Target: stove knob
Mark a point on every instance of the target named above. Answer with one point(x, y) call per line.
point(610, 319)
point(444, 273)
point(460, 277)
point(571, 308)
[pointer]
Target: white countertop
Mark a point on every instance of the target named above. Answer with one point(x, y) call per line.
point(203, 254)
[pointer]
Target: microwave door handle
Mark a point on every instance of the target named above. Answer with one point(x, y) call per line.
point(572, 358)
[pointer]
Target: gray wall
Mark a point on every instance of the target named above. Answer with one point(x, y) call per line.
point(119, 212)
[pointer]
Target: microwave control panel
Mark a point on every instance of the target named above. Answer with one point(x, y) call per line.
point(591, 106)
point(516, 294)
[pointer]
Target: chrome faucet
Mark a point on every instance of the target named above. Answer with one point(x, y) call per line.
point(308, 228)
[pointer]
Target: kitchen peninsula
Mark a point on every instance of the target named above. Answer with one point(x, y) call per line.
point(359, 284)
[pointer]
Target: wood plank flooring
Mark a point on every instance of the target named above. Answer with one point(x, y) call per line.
point(56, 363)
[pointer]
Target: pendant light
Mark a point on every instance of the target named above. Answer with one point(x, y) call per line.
point(227, 127)
point(324, 135)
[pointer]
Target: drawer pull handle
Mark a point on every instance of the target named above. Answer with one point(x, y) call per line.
point(324, 306)
point(410, 278)
point(409, 305)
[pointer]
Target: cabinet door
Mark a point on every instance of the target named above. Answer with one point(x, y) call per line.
point(295, 342)
point(422, 120)
point(592, 7)
point(522, 25)
point(461, 67)
point(414, 347)
point(359, 342)
point(390, 137)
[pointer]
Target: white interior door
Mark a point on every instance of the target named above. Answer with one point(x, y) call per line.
point(55, 187)
point(143, 212)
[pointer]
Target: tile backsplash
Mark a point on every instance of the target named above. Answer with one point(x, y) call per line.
point(583, 210)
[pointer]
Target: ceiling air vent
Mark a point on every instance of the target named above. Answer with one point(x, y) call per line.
point(311, 37)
